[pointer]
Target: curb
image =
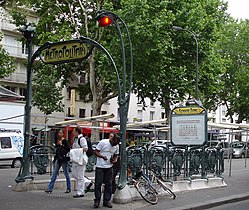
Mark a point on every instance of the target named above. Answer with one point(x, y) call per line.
point(215, 202)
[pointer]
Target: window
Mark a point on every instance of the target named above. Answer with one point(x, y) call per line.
point(23, 92)
point(24, 48)
point(68, 112)
point(152, 115)
point(5, 142)
point(13, 89)
point(83, 78)
point(152, 103)
point(139, 100)
point(69, 92)
point(162, 115)
point(139, 115)
point(224, 110)
point(82, 113)
point(82, 97)
point(103, 112)
point(118, 114)
point(91, 113)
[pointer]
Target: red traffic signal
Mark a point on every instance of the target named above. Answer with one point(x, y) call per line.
point(105, 21)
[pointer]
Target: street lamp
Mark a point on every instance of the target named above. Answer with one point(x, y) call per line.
point(106, 18)
point(28, 31)
point(178, 28)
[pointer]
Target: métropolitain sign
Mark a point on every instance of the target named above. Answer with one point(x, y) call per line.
point(67, 51)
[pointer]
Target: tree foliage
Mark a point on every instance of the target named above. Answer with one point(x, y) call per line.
point(46, 84)
point(234, 46)
point(66, 20)
point(6, 62)
point(165, 60)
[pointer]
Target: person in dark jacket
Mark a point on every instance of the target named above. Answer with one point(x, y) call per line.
point(61, 160)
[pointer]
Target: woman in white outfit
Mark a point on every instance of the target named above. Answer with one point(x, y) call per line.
point(78, 171)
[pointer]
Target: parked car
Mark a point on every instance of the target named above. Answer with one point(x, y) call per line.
point(11, 148)
point(240, 149)
point(228, 149)
point(164, 143)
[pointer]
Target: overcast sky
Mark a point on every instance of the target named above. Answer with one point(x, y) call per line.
point(238, 8)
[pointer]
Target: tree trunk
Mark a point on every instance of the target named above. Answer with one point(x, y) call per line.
point(238, 135)
point(229, 112)
point(97, 100)
point(96, 107)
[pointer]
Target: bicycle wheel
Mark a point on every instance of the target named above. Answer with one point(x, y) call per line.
point(169, 191)
point(147, 192)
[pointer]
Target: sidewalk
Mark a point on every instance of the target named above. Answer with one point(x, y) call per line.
point(237, 189)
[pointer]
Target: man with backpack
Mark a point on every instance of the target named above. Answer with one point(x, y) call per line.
point(78, 171)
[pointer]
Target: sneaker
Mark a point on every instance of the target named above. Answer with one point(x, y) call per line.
point(96, 204)
point(78, 196)
point(48, 191)
point(107, 204)
point(68, 191)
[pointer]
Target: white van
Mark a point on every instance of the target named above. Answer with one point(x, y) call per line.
point(11, 148)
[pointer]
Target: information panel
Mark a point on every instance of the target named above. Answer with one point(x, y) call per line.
point(188, 129)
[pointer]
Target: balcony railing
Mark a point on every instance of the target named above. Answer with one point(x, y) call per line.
point(18, 77)
point(15, 51)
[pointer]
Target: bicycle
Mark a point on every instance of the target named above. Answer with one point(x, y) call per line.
point(150, 188)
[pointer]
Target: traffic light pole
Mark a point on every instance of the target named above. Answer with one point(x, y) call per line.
point(123, 97)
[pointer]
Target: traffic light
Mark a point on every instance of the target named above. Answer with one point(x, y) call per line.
point(105, 21)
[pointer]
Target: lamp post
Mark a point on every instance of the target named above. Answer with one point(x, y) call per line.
point(28, 32)
point(178, 28)
point(106, 18)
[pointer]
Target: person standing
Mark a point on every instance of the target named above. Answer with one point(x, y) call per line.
point(78, 171)
point(107, 154)
point(60, 160)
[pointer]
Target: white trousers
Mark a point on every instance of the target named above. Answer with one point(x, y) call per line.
point(78, 172)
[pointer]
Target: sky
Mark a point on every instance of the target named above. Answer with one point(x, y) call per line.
point(238, 8)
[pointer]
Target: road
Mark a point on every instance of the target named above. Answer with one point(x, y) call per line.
point(238, 183)
point(243, 205)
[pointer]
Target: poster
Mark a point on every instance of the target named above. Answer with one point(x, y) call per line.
point(188, 129)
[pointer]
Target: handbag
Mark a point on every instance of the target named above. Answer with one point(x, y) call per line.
point(76, 156)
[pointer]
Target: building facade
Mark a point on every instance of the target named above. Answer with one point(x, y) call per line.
point(74, 105)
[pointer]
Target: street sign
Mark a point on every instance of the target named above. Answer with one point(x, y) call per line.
point(188, 110)
point(188, 126)
point(63, 52)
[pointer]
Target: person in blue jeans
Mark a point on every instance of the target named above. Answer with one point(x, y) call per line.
point(61, 160)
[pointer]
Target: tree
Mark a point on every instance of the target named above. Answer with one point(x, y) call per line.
point(234, 46)
point(164, 59)
point(64, 20)
point(46, 84)
point(7, 65)
point(6, 62)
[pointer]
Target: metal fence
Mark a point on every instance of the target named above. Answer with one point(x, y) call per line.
point(176, 163)
point(172, 163)
point(41, 159)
